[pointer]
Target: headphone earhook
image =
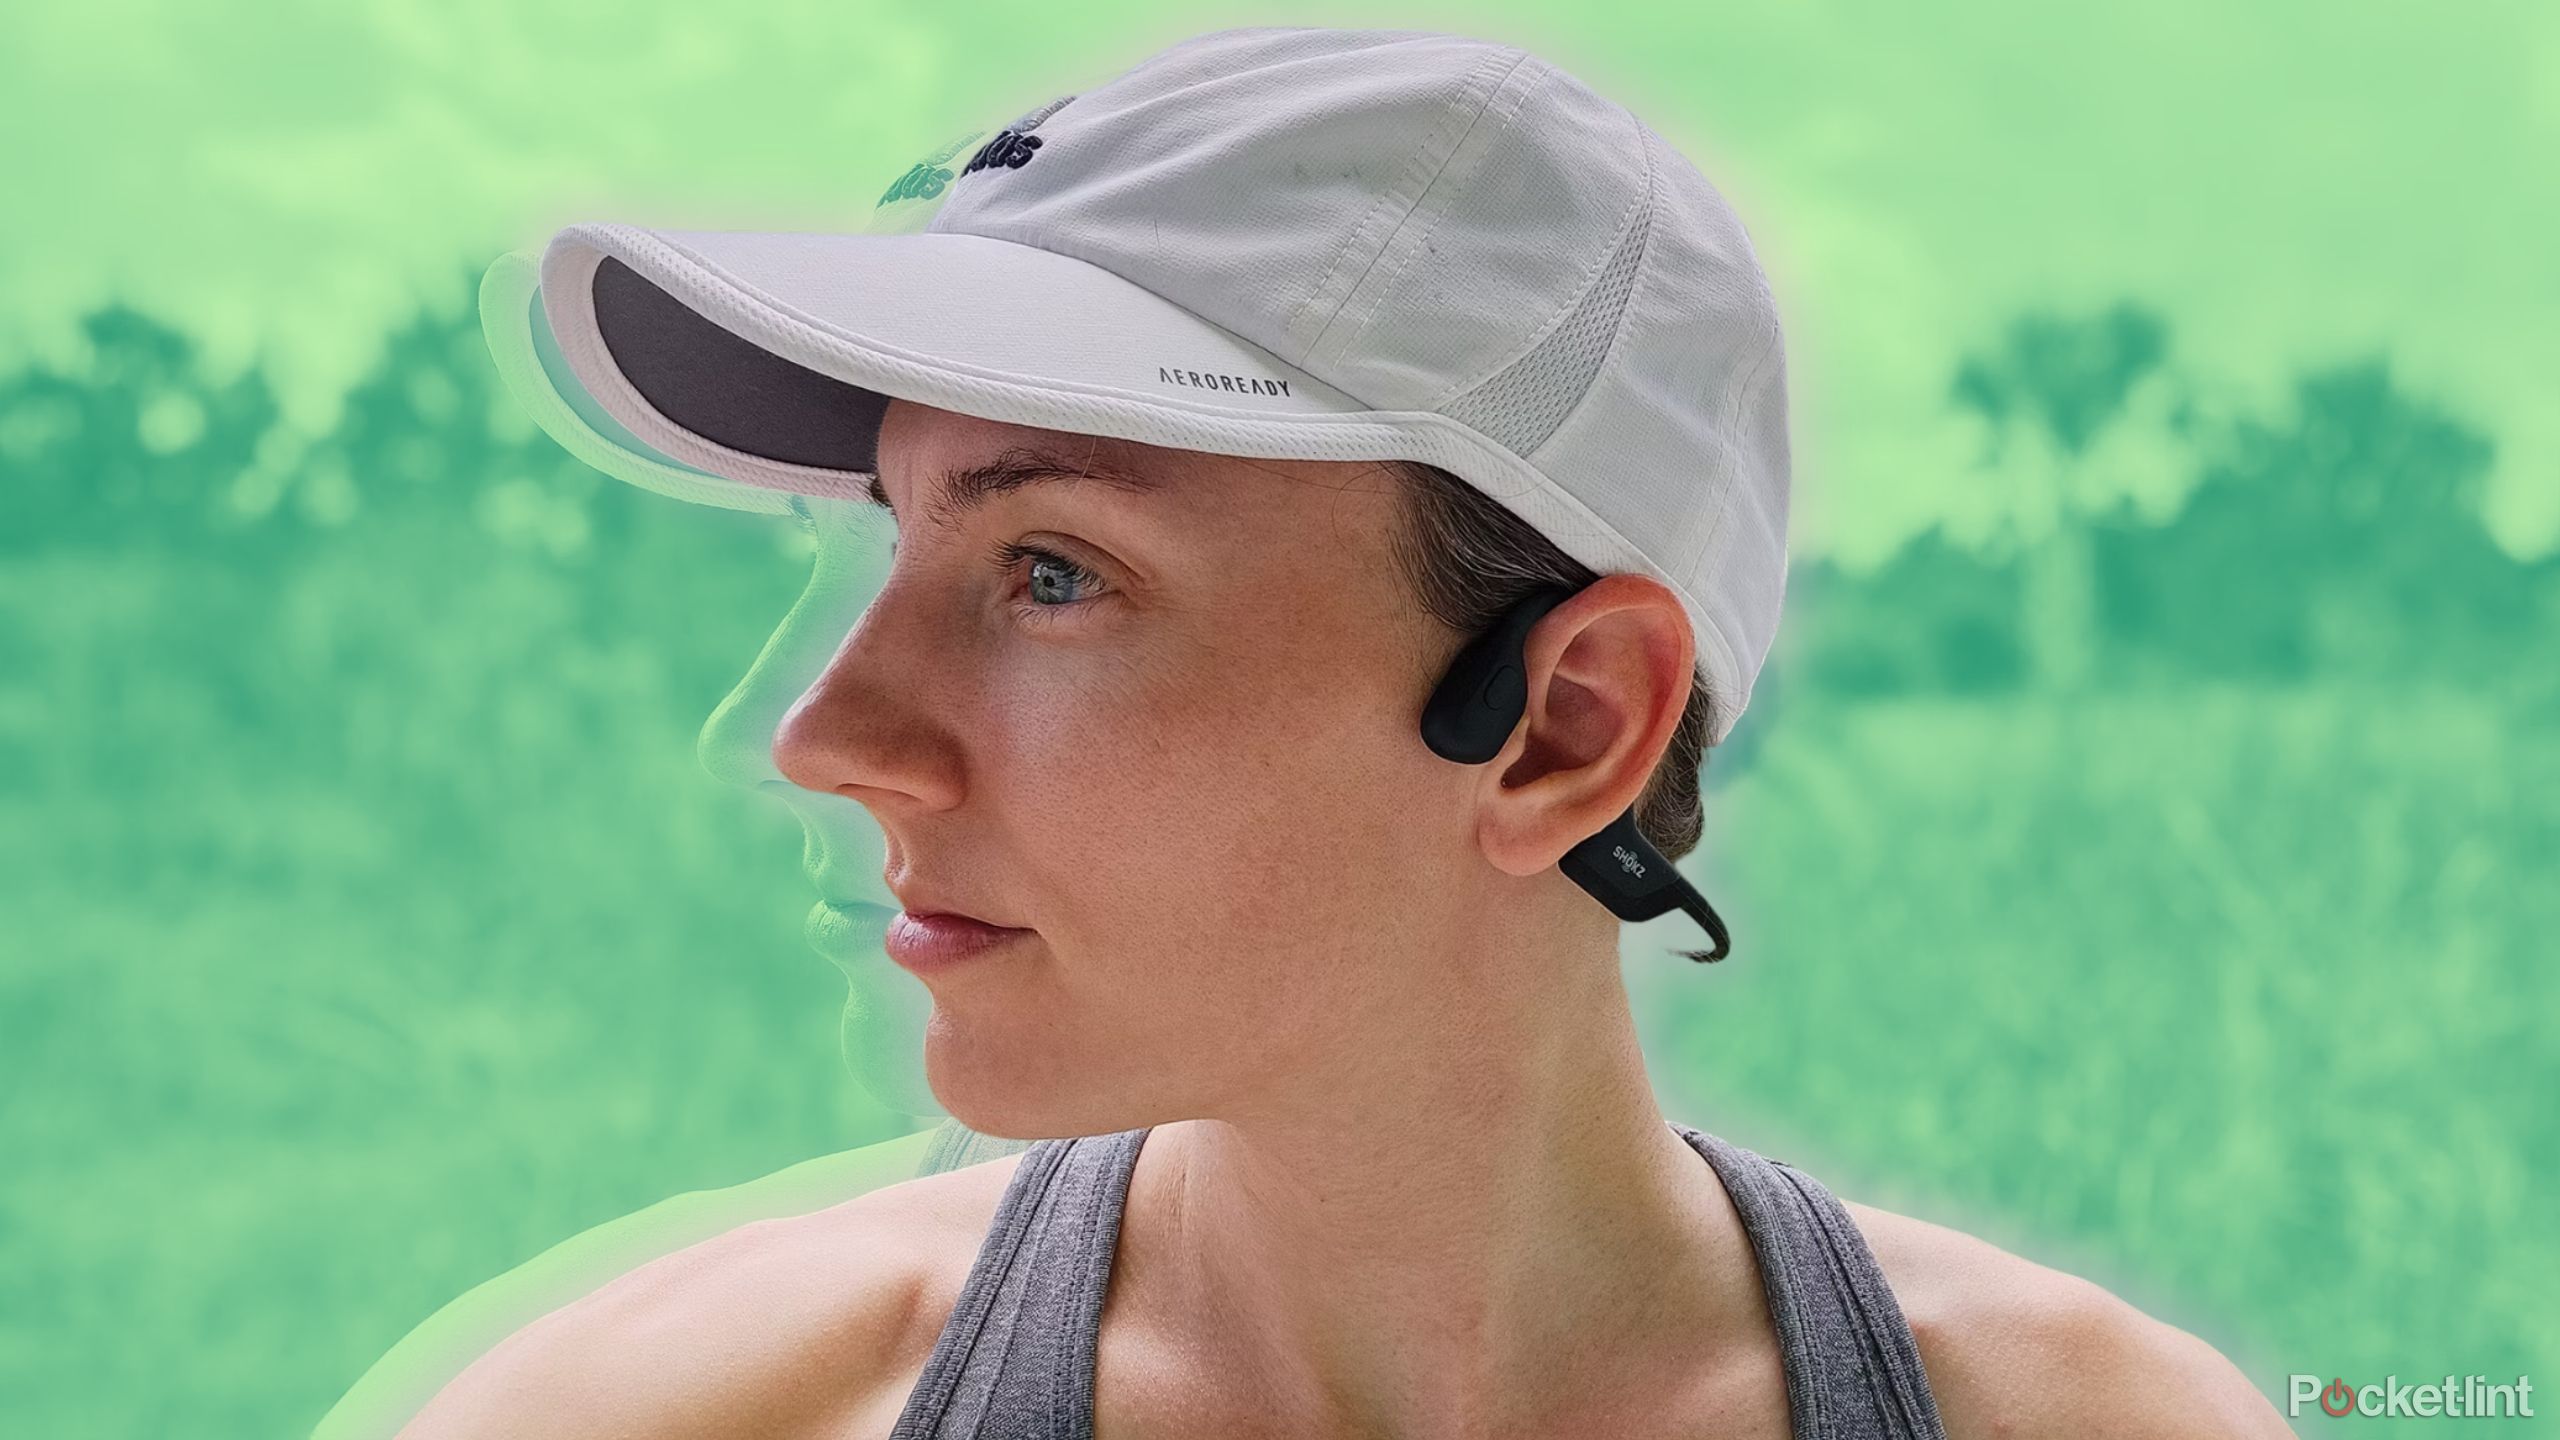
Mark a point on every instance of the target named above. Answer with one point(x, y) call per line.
point(1471, 715)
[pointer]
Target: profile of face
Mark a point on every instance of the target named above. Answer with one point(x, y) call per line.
point(1164, 721)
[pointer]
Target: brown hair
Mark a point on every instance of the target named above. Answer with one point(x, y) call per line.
point(1469, 559)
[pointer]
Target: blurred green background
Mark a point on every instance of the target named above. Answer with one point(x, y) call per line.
point(2144, 835)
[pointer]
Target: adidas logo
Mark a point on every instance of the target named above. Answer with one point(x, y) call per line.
point(1014, 145)
point(1008, 149)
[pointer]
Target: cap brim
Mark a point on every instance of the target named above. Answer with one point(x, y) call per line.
point(768, 359)
point(529, 363)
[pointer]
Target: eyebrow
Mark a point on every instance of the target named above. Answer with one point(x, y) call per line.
point(1020, 467)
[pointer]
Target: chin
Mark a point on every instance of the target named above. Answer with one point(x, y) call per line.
point(1010, 1092)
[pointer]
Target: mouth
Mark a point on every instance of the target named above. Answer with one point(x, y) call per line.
point(909, 929)
point(930, 941)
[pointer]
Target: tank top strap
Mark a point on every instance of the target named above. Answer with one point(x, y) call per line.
point(1853, 1369)
point(1015, 1360)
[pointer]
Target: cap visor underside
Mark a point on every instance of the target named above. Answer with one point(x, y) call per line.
point(529, 363)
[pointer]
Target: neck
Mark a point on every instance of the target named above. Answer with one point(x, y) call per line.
point(1478, 1223)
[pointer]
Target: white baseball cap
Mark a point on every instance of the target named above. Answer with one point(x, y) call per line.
point(1279, 242)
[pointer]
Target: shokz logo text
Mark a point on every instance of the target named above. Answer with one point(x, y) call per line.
point(1627, 861)
point(2457, 1396)
point(1210, 380)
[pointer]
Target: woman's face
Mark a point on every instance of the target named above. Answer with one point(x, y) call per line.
point(1166, 725)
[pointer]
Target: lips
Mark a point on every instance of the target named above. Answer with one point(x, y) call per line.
point(934, 940)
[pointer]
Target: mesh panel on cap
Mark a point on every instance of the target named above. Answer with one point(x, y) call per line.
point(1520, 405)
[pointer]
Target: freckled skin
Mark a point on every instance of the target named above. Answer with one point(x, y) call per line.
point(1185, 757)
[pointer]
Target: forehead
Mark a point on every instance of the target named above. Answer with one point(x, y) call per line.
point(956, 490)
point(936, 467)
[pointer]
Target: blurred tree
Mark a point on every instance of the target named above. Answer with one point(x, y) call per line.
point(1936, 616)
point(116, 451)
point(2343, 537)
point(2055, 383)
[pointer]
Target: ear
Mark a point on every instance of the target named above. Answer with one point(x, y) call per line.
point(1608, 675)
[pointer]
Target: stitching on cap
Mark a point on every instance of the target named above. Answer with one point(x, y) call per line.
point(1479, 403)
point(1635, 282)
point(1591, 272)
point(1529, 400)
point(1333, 265)
point(1388, 243)
point(1597, 271)
point(1431, 224)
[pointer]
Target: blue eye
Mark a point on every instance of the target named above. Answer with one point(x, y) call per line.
point(1056, 582)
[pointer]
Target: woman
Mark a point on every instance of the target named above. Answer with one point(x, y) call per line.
point(1216, 413)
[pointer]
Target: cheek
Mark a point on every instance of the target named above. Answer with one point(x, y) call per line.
point(1231, 811)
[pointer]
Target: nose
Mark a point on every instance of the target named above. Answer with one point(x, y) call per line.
point(850, 697)
point(866, 728)
point(854, 697)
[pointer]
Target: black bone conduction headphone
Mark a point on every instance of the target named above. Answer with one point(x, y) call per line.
point(1472, 713)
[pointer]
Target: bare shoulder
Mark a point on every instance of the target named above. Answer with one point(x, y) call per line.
point(798, 1326)
point(2017, 1349)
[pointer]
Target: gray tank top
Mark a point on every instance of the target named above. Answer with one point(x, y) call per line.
point(1016, 1358)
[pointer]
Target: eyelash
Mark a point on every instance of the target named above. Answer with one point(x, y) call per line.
point(1013, 552)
